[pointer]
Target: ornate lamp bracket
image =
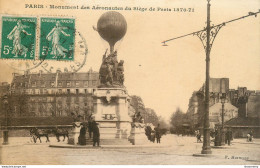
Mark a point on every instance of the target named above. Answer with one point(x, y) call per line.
point(202, 35)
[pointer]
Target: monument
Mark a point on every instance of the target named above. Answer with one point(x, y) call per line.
point(117, 124)
point(111, 99)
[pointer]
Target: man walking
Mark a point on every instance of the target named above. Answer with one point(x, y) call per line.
point(158, 134)
point(96, 134)
point(228, 136)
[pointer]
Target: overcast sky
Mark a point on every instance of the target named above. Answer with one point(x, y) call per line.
point(165, 77)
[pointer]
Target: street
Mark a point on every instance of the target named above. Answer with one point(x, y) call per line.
point(174, 150)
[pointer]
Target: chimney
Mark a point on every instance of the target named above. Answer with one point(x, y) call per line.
point(242, 106)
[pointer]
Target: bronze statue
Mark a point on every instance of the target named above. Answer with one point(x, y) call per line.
point(111, 27)
point(111, 72)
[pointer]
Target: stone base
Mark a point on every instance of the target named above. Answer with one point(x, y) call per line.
point(114, 132)
point(137, 136)
point(203, 155)
point(112, 115)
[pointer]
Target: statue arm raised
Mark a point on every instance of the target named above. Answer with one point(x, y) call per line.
point(104, 56)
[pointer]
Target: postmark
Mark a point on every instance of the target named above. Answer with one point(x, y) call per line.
point(57, 39)
point(18, 37)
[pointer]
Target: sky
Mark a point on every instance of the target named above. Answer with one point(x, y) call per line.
point(165, 77)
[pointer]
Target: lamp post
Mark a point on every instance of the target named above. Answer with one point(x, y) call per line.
point(207, 37)
point(5, 131)
point(223, 99)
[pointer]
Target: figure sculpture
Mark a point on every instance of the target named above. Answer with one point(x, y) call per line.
point(111, 72)
point(111, 27)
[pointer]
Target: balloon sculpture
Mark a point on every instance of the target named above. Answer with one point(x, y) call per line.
point(111, 27)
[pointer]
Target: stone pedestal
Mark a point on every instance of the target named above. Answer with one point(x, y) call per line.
point(138, 136)
point(111, 112)
point(74, 134)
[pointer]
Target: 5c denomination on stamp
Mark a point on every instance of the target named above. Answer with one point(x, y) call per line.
point(18, 37)
point(57, 39)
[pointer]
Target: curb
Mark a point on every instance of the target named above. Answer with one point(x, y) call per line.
point(222, 147)
point(204, 155)
point(107, 146)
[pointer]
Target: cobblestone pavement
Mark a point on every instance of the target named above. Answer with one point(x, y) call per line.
point(173, 150)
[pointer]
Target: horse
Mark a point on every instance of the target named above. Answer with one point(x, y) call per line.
point(60, 132)
point(38, 133)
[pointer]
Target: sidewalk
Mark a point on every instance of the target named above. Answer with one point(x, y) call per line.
point(172, 150)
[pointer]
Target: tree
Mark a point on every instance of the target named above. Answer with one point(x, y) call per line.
point(178, 118)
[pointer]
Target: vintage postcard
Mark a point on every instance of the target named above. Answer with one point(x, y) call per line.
point(130, 82)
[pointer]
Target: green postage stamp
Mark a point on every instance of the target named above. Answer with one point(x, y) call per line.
point(18, 37)
point(57, 36)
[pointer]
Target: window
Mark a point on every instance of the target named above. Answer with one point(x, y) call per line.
point(37, 91)
point(86, 91)
point(68, 84)
point(86, 83)
point(94, 83)
point(68, 91)
point(60, 91)
point(42, 84)
point(77, 91)
point(45, 91)
point(77, 83)
point(53, 91)
point(59, 84)
point(33, 84)
point(52, 84)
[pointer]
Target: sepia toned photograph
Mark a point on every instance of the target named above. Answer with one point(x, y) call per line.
point(130, 82)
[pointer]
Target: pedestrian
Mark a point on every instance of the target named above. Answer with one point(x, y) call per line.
point(248, 137)
point(251, 136)
point(158, 134)
point(90, 123)
point(96, 134)
point(228, 136)
point(82, 135)
point(198, 136)
point(217, 141)
point(153, 136)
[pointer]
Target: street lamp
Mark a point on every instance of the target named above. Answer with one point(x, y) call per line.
point(223, 99)
point(5, 131)
point(207, 37)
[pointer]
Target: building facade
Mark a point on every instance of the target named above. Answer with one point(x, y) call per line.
point(52, 94)
point(195, 112)
point(241, 106)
